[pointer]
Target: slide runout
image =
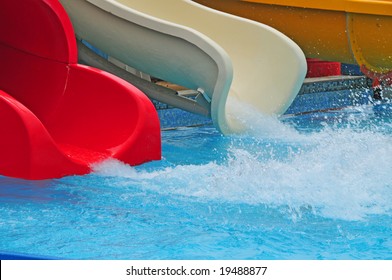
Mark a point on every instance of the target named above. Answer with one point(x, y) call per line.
point(268, 68)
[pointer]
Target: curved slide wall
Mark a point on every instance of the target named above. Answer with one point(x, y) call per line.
point(58, 117)
point(350, 31)
point(228, 59)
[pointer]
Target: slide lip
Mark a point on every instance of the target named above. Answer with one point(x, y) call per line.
point(167, 27)
point(205, 43)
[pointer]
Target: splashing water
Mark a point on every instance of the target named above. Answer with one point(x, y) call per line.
point(316, 186)
point(338, 172)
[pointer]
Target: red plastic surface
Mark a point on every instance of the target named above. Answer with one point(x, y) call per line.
point(320, 68)
point(58, 117)
point(39, 27)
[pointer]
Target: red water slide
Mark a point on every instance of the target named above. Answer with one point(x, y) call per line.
point(58, 117)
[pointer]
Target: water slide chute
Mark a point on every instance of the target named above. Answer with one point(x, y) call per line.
point(58, 117)
point(349, 31)
point(222, 56)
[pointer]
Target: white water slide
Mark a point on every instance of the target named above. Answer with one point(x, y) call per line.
point(227, 59)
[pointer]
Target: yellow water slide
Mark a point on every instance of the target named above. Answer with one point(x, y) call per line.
point(349, 31)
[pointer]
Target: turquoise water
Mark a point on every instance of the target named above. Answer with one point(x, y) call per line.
point(316, 186)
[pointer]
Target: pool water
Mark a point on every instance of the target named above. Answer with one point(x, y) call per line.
point(313, 186)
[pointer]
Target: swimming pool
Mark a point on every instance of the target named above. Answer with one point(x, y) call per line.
point(311, 186)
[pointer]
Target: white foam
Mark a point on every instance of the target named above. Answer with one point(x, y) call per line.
point(337, 173)
point(257, 124)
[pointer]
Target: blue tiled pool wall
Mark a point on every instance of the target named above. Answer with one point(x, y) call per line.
point(350, 69)
point(331, 94)
point(328, 100)
point(174, 117)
